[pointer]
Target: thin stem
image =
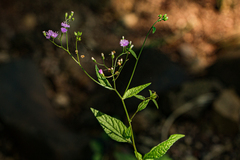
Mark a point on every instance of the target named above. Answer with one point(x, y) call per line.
point(67, 39)
point(129, 120)
point(130, 80)
point(77, 61)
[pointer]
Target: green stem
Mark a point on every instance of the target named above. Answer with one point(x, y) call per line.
point(135, 66)
point(129, 120)
point(77, 61)
point(67, 39)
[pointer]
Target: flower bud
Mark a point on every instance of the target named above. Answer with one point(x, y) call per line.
point(103, 56)
point(94, 60)
point(66, 14)
point(72, 13)
point(112, 54)
point(100, 71)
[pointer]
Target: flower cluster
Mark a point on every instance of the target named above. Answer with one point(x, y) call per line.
point(64, 27)
point(50, 34)
point(124, 42)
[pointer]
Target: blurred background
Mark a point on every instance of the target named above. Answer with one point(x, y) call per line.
point(193, 62)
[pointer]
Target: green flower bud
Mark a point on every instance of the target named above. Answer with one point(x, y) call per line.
point(165, 18)
point(112, 54)
point(72, 13)
point(44, 33)
point(66, 14)
point(103, 56)
point(94, 60)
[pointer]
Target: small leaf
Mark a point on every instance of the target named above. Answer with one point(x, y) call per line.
point(153, 96)
point(113, 127)
point(103, 81)
point(153, 30)
point(140, 97)
point(155, 102)
point(150, 92)
point(134, 91)
point(162, 148)
point(79, 33)
point(143, 105)
point(138, 155)
point(133, 53)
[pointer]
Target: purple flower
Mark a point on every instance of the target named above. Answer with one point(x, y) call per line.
point(100, 71)
point(54, 34)
point(64, 24)
point(50, 34)
point(124, 42)
point(64, 30)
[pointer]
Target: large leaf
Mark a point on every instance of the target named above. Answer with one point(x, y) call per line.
point(102, 79)
point(113, 127)
point(162, 148)
point(134, 91)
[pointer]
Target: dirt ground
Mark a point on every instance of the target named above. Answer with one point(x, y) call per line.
point(192, 60)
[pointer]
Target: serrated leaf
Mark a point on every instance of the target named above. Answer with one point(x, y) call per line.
point(162, 148)
point(153, 30)
point(133, 53)
point(139, 97)
point(138, 155)
point(143, 105)
point(113, 127)
point(103, 81)
point(134, 91)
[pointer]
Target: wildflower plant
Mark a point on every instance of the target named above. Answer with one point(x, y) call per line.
point(114, 127)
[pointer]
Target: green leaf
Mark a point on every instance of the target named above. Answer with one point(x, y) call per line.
point(140, 97)
point(127, 133)
point(155, 102)
point(162, 148)
point(133, 53)
point(138, 155)
point(102, 79)
point(153, 30)
point(134, 91)
point(143, 105)
point(113, 127)
point(153, 96)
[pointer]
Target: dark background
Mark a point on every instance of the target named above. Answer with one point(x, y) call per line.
point(193, 62)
